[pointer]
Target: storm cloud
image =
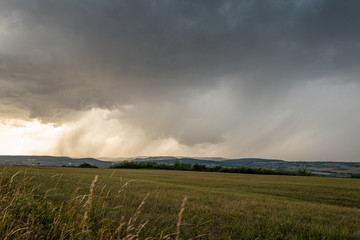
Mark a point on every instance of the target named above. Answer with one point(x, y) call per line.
point(222, 78)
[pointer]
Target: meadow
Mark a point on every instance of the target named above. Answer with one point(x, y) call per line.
point(76, 203)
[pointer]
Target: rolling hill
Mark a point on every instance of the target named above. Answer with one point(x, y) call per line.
point(316, 168)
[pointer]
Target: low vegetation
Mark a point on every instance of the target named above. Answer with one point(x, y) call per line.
point(87, 203)
point(87, 165)
point(197, 167)
point(303, 172)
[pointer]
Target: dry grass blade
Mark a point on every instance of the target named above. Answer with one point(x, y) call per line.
point(87, 205)
point(202, 235)
point(13, 176)
point(14, 231)
point(138, 210)
point(91, 193)
point(122, 224)
point(180, 218)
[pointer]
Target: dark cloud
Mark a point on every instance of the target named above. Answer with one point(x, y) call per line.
point(195, 71)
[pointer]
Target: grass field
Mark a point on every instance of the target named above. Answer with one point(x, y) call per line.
point(68, 203)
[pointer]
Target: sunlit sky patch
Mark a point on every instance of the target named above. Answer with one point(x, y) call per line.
point(27, 137)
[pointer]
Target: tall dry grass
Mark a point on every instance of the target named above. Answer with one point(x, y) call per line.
point(28, 213)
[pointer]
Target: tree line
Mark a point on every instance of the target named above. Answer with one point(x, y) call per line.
point(198, 167)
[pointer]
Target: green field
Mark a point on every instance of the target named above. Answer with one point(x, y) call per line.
point(59, 203)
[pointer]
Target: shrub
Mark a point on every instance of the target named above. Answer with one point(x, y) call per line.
point(303, 172)
point(87, 165)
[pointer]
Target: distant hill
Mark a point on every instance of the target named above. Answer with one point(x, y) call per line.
point(242, 162)
point(51, 161)
point(317, 168)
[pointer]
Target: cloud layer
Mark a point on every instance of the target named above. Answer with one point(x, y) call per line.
point(230, 78)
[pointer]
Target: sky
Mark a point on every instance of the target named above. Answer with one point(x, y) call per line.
point(121, 78)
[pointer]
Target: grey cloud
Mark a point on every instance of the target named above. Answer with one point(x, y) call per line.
point(165, 58)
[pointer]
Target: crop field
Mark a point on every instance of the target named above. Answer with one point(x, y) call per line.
point(75, 203)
